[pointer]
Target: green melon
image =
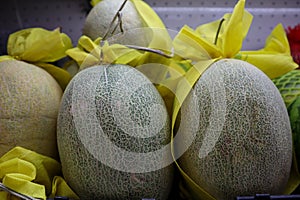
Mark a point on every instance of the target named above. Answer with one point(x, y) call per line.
point(100, 17)
point(112, 125)
point(242, 137)
point(29, 103)
point(289, 86)
point(294, 113)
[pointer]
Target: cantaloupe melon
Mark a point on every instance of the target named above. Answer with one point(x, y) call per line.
point(29, 103)
point(243, 140)
point(99, 19)
point(111, 119)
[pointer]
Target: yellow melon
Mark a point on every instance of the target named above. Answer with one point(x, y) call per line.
point(29, 102)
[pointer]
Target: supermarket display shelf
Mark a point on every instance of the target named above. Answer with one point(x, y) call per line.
point(70, 16)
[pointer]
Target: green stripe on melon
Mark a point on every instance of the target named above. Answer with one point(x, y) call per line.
point(107, 111)
point(29, 103)
point(243, 140)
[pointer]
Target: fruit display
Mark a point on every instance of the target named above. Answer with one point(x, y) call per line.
point(133, 110)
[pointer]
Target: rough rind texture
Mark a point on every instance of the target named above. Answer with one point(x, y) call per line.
point(253, 150)
point(29, 103)
point(99, 18)
point(91, 178)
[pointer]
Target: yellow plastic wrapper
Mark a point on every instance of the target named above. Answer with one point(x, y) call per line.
point(153, 26)
point(61, 188)
point(40, 47)
point(275, 58)
point(89, 53)
point(223, 39)
point(32, 174)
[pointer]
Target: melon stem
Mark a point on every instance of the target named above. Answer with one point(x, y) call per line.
point(120, 24)
point(159, 52)
point(116, 16)
point(218, 31)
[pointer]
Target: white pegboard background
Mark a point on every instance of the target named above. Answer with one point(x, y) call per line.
point(70, 15)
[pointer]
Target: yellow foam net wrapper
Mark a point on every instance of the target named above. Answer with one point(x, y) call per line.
point(40, 47)
point(32, 174)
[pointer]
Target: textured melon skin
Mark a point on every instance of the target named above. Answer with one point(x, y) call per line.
point(99, 18)
point(92, 179)
point(29, 103)
point(253, 152)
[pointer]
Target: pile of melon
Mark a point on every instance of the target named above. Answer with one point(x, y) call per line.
point(112, 133)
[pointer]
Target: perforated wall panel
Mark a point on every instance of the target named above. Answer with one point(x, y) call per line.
point(19, 14)
point(267, 14)
point(70, 15)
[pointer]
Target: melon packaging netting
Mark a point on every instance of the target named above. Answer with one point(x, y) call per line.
point(289, 86)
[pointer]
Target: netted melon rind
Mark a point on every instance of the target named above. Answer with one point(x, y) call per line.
point(92, 179)
point(253, 152)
